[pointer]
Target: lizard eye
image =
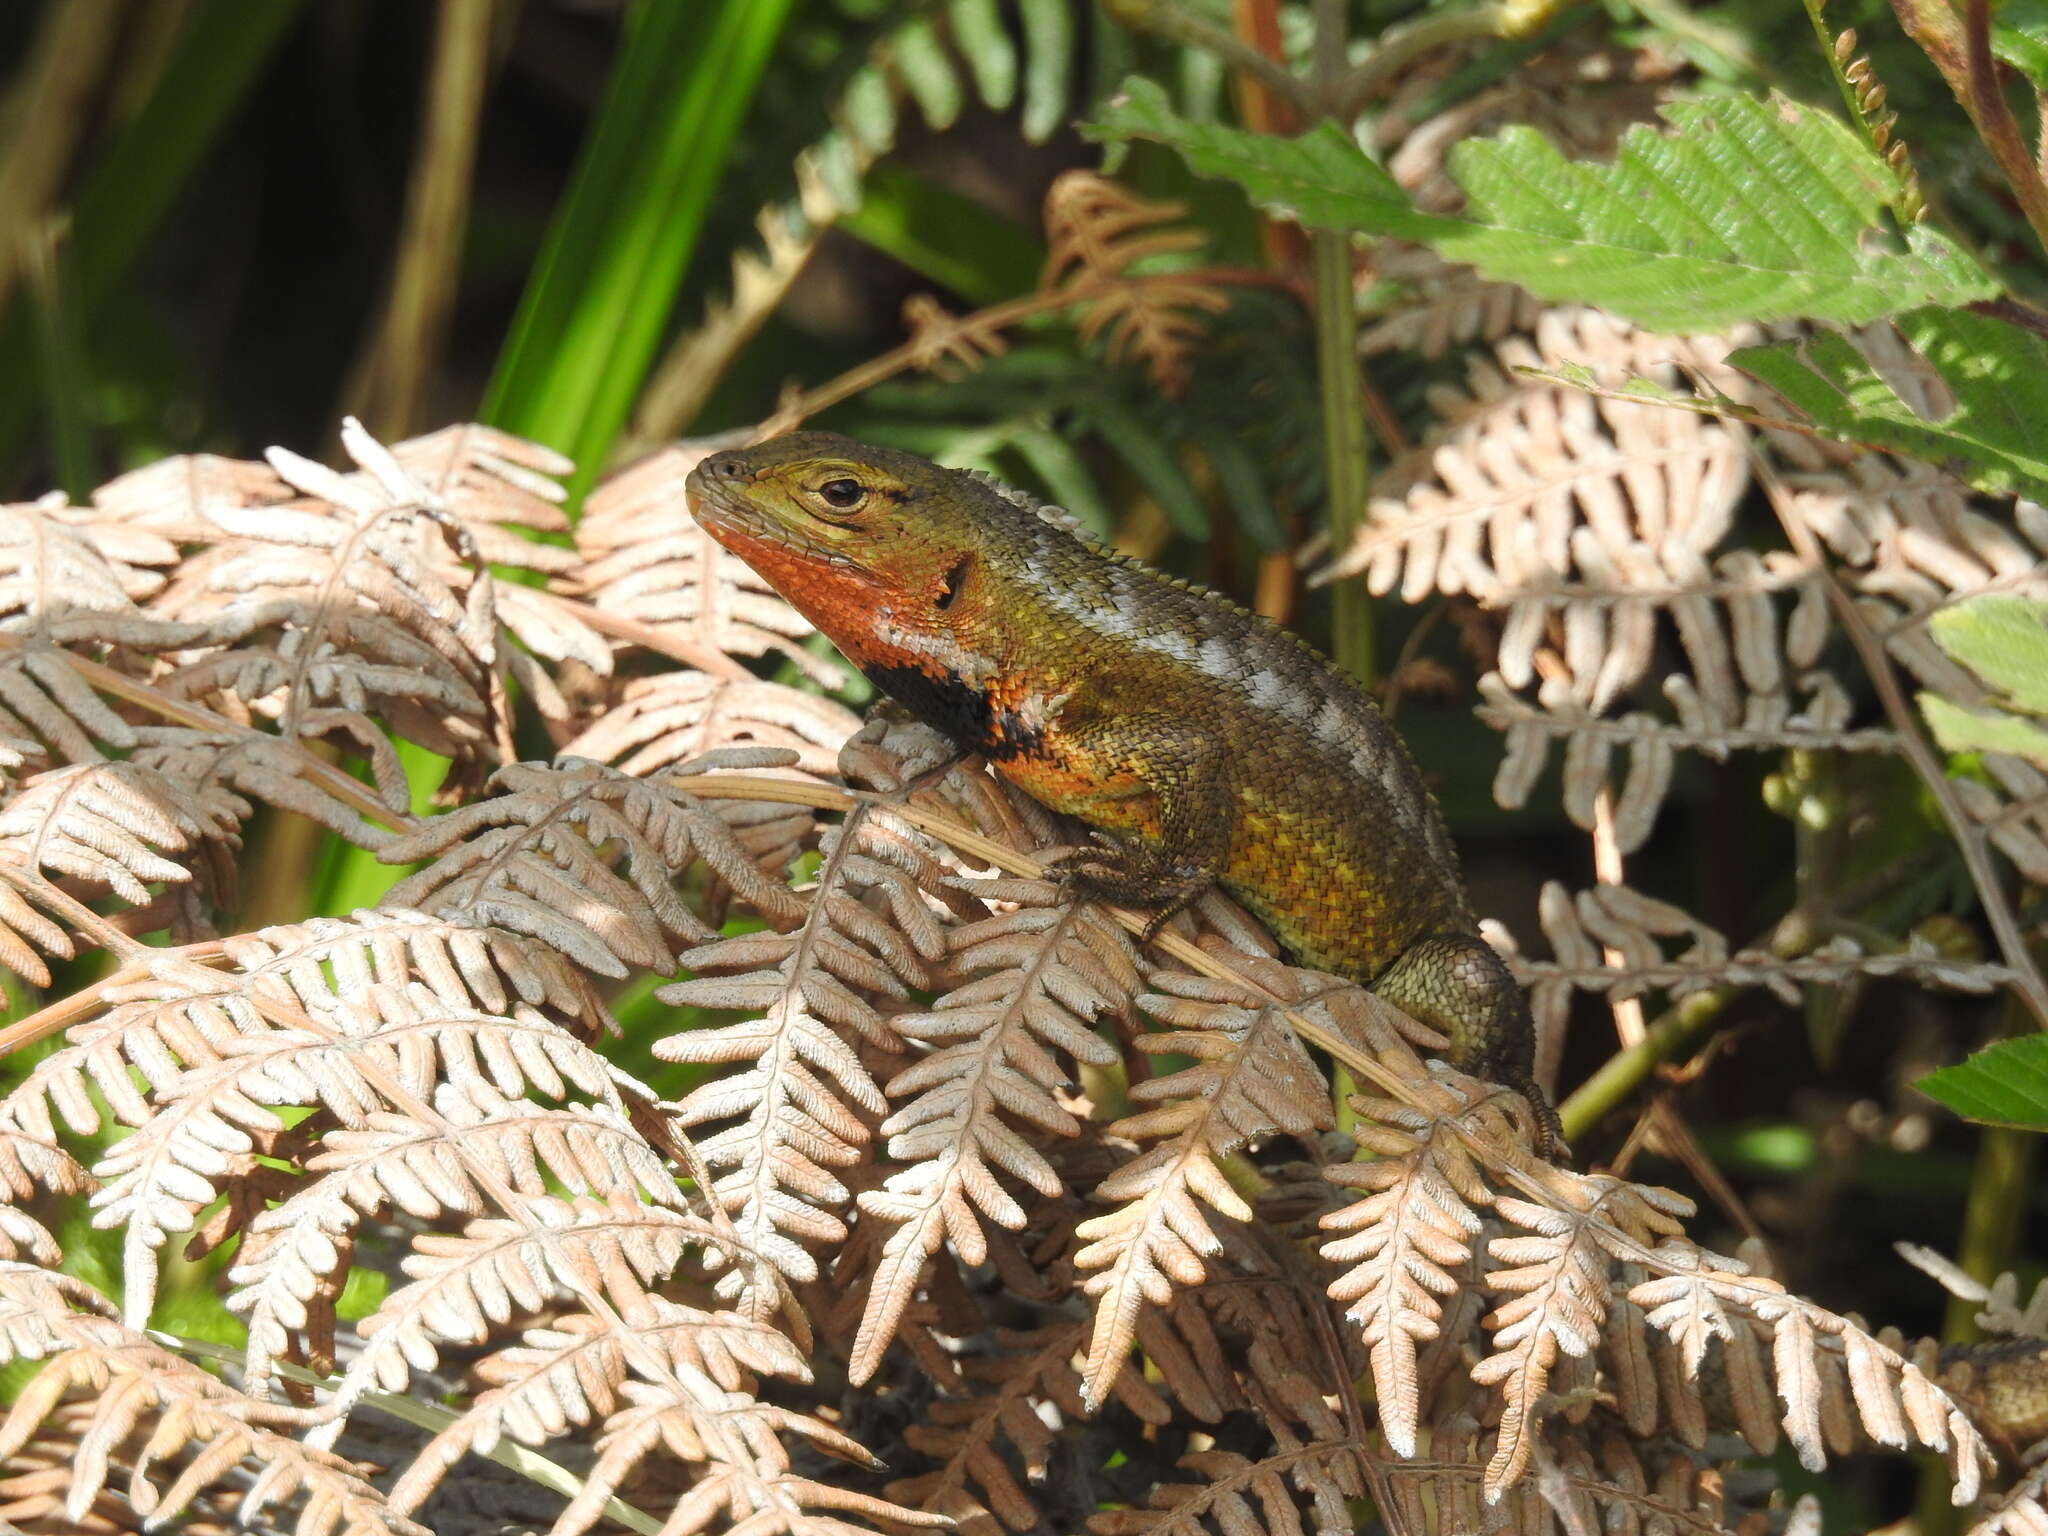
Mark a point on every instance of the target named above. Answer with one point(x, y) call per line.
point(843, 494)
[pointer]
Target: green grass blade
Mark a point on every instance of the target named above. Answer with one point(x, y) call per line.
point(598, 302)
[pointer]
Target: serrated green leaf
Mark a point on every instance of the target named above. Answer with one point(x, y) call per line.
point(2003, 638)
point(1747, 210)
point(1996, 438)
point(1962, 730)
point(2003, 1084)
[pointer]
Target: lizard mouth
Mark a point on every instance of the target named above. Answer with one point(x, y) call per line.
point(715, 492)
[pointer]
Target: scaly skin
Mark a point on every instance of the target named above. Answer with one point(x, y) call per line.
point(1208, 743)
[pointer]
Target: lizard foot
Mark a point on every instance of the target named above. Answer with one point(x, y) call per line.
point(1126, 877)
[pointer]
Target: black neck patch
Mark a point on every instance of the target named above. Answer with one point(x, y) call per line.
point(951, 706)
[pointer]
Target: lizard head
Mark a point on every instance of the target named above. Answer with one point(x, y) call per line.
point(872, 545)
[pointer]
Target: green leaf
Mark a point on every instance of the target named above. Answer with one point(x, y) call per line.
point(2003, 1084)
point(1748, 210)
point(1996, 438)
point(2019, 37)
point(2002, 638)
point(945, 235)
point(1962, 730)
point(597, 306)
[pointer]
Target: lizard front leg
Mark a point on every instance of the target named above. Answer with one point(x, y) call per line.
point(1169, 808)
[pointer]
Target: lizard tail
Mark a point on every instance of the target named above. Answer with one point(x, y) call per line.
point(1458, 983)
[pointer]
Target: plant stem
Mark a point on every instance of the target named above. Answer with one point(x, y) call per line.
point(1664, 1037)
point(50, 111)
point(1401, 46)
point(1999, 1188)
point(1347, 460)
point(1165, 19)
point(1962, 52)
point(1346, 451)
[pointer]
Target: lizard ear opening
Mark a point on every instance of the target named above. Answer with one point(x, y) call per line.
point(951, 583)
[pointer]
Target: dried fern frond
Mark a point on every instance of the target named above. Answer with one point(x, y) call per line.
point(1001, 1432)
point(362, 597)
point(490, 482)
point(385, 1053)
point(540, 858)
point(660, 721)
point(1581, 927)
point(1915, 540)
point(645, 559)
point(465, 1288)
point(109, 825)
point(1030, 985)
point(187, 1429)
point(1534, 497)
point(2023, 1511)
point(27, 1165)
point(220, 772)
point(35, 1480)
point(1098, 231)
point(287, 1272)
point(1829, 1371)
point(60, 591)
point(570, 1372)
point(1239, 1494)
point(748, 1475)
point(494, 485)
point(1408, 1241)
point(1435, 305)
point(184, 1019)
point(806, 1103)
point(55, 558)
point(176, 498)
point(1252, 1078)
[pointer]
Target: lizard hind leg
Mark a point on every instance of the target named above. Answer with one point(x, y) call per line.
point(1457, 983)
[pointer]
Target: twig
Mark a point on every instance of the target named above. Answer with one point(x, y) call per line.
point(66, 1011)
point(350, 792)
point(985, 322)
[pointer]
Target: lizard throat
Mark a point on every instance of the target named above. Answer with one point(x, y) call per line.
point(951, 705)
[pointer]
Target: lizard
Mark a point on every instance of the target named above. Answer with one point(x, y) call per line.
point(1205, 743)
